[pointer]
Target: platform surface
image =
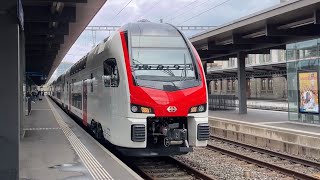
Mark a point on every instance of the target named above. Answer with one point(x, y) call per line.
point(253, 116)
point(55, 147)
point(267, 104)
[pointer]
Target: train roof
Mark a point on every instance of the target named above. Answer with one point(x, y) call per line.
point(150, 28)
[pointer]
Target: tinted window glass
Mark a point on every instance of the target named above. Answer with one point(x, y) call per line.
point(111, 73)
point(178, 60)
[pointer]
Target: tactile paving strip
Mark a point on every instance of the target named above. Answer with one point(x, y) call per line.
point(94, 167)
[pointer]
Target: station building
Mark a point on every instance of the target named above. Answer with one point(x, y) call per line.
point(262, 82)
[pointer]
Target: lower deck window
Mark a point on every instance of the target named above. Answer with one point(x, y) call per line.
point(77, 100)
point(58, 95)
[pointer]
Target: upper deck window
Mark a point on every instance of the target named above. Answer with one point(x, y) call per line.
point(161, 59)
point(157, 41)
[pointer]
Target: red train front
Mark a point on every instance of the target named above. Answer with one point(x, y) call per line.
point(166, 80)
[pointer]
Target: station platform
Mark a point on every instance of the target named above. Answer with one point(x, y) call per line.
point(55, 147)
point(268, 129)
point(276, 105)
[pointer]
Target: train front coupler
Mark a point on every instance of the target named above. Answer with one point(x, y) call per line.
point(175, 136)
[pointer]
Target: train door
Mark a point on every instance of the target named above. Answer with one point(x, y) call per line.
point(111, 81)
point(64, 94)
point(85, 103)
point(69, 106)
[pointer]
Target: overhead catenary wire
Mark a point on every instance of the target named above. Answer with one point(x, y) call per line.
point(197, 15)
point(121, 10)
point(188, 11)
point(182, 7)
point(152, 7)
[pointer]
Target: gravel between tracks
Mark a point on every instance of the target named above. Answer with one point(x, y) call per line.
point(224, 167)
point(267, 158)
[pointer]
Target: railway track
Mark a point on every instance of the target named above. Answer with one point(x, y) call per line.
point(165, 168)
point(290, 166)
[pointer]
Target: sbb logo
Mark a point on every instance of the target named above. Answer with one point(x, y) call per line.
point(171, 109)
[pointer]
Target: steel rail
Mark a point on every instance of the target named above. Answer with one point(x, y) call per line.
point(309, 163)
point(171, 161)
point(260, 163)
point(191, 170)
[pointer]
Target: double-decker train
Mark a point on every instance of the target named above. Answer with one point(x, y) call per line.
point(142, 89)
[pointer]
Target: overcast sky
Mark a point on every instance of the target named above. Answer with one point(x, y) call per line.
point(176, 12)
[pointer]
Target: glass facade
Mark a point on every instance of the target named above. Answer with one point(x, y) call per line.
point(303, 58)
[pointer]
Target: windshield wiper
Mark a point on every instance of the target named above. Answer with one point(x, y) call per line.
point(184, 68)
point(166, 69)
point(161, 66)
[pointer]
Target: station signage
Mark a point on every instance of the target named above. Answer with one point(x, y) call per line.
point(308, 92)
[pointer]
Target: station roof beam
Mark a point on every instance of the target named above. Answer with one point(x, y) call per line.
point(51, 27)
point(43, 39)
point(40, 14)
point(273, 28)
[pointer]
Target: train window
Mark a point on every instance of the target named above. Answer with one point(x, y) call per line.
point(111, 73)
point(91, 82)
point(77, 100)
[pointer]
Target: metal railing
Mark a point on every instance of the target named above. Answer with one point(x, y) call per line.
point(222, 102)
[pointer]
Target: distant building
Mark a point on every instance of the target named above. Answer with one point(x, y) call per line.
point(266, 76)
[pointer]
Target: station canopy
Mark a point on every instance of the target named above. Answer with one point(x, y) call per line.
point(51, 27)
point(273, 28)
point(267, 70)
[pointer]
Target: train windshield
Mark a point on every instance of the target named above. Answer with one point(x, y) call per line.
point(162, 61)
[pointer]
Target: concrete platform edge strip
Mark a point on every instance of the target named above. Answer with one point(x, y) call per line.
point(94, 167)
point(263, 125)
point(287, 142)
point(293, 138)
point(40, 109)
point(263, 142)
point(40, 129)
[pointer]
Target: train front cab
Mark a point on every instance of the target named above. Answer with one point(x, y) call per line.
point(168, 96)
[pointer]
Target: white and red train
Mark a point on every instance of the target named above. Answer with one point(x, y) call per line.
point(143, 90)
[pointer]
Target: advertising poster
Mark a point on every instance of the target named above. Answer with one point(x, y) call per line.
point(308, 89)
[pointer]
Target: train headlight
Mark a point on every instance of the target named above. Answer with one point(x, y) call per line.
point(145, 110)
point(193, 109)
point(198, 109)
point(141, 109)
point(134, 108)
point(201, 108)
